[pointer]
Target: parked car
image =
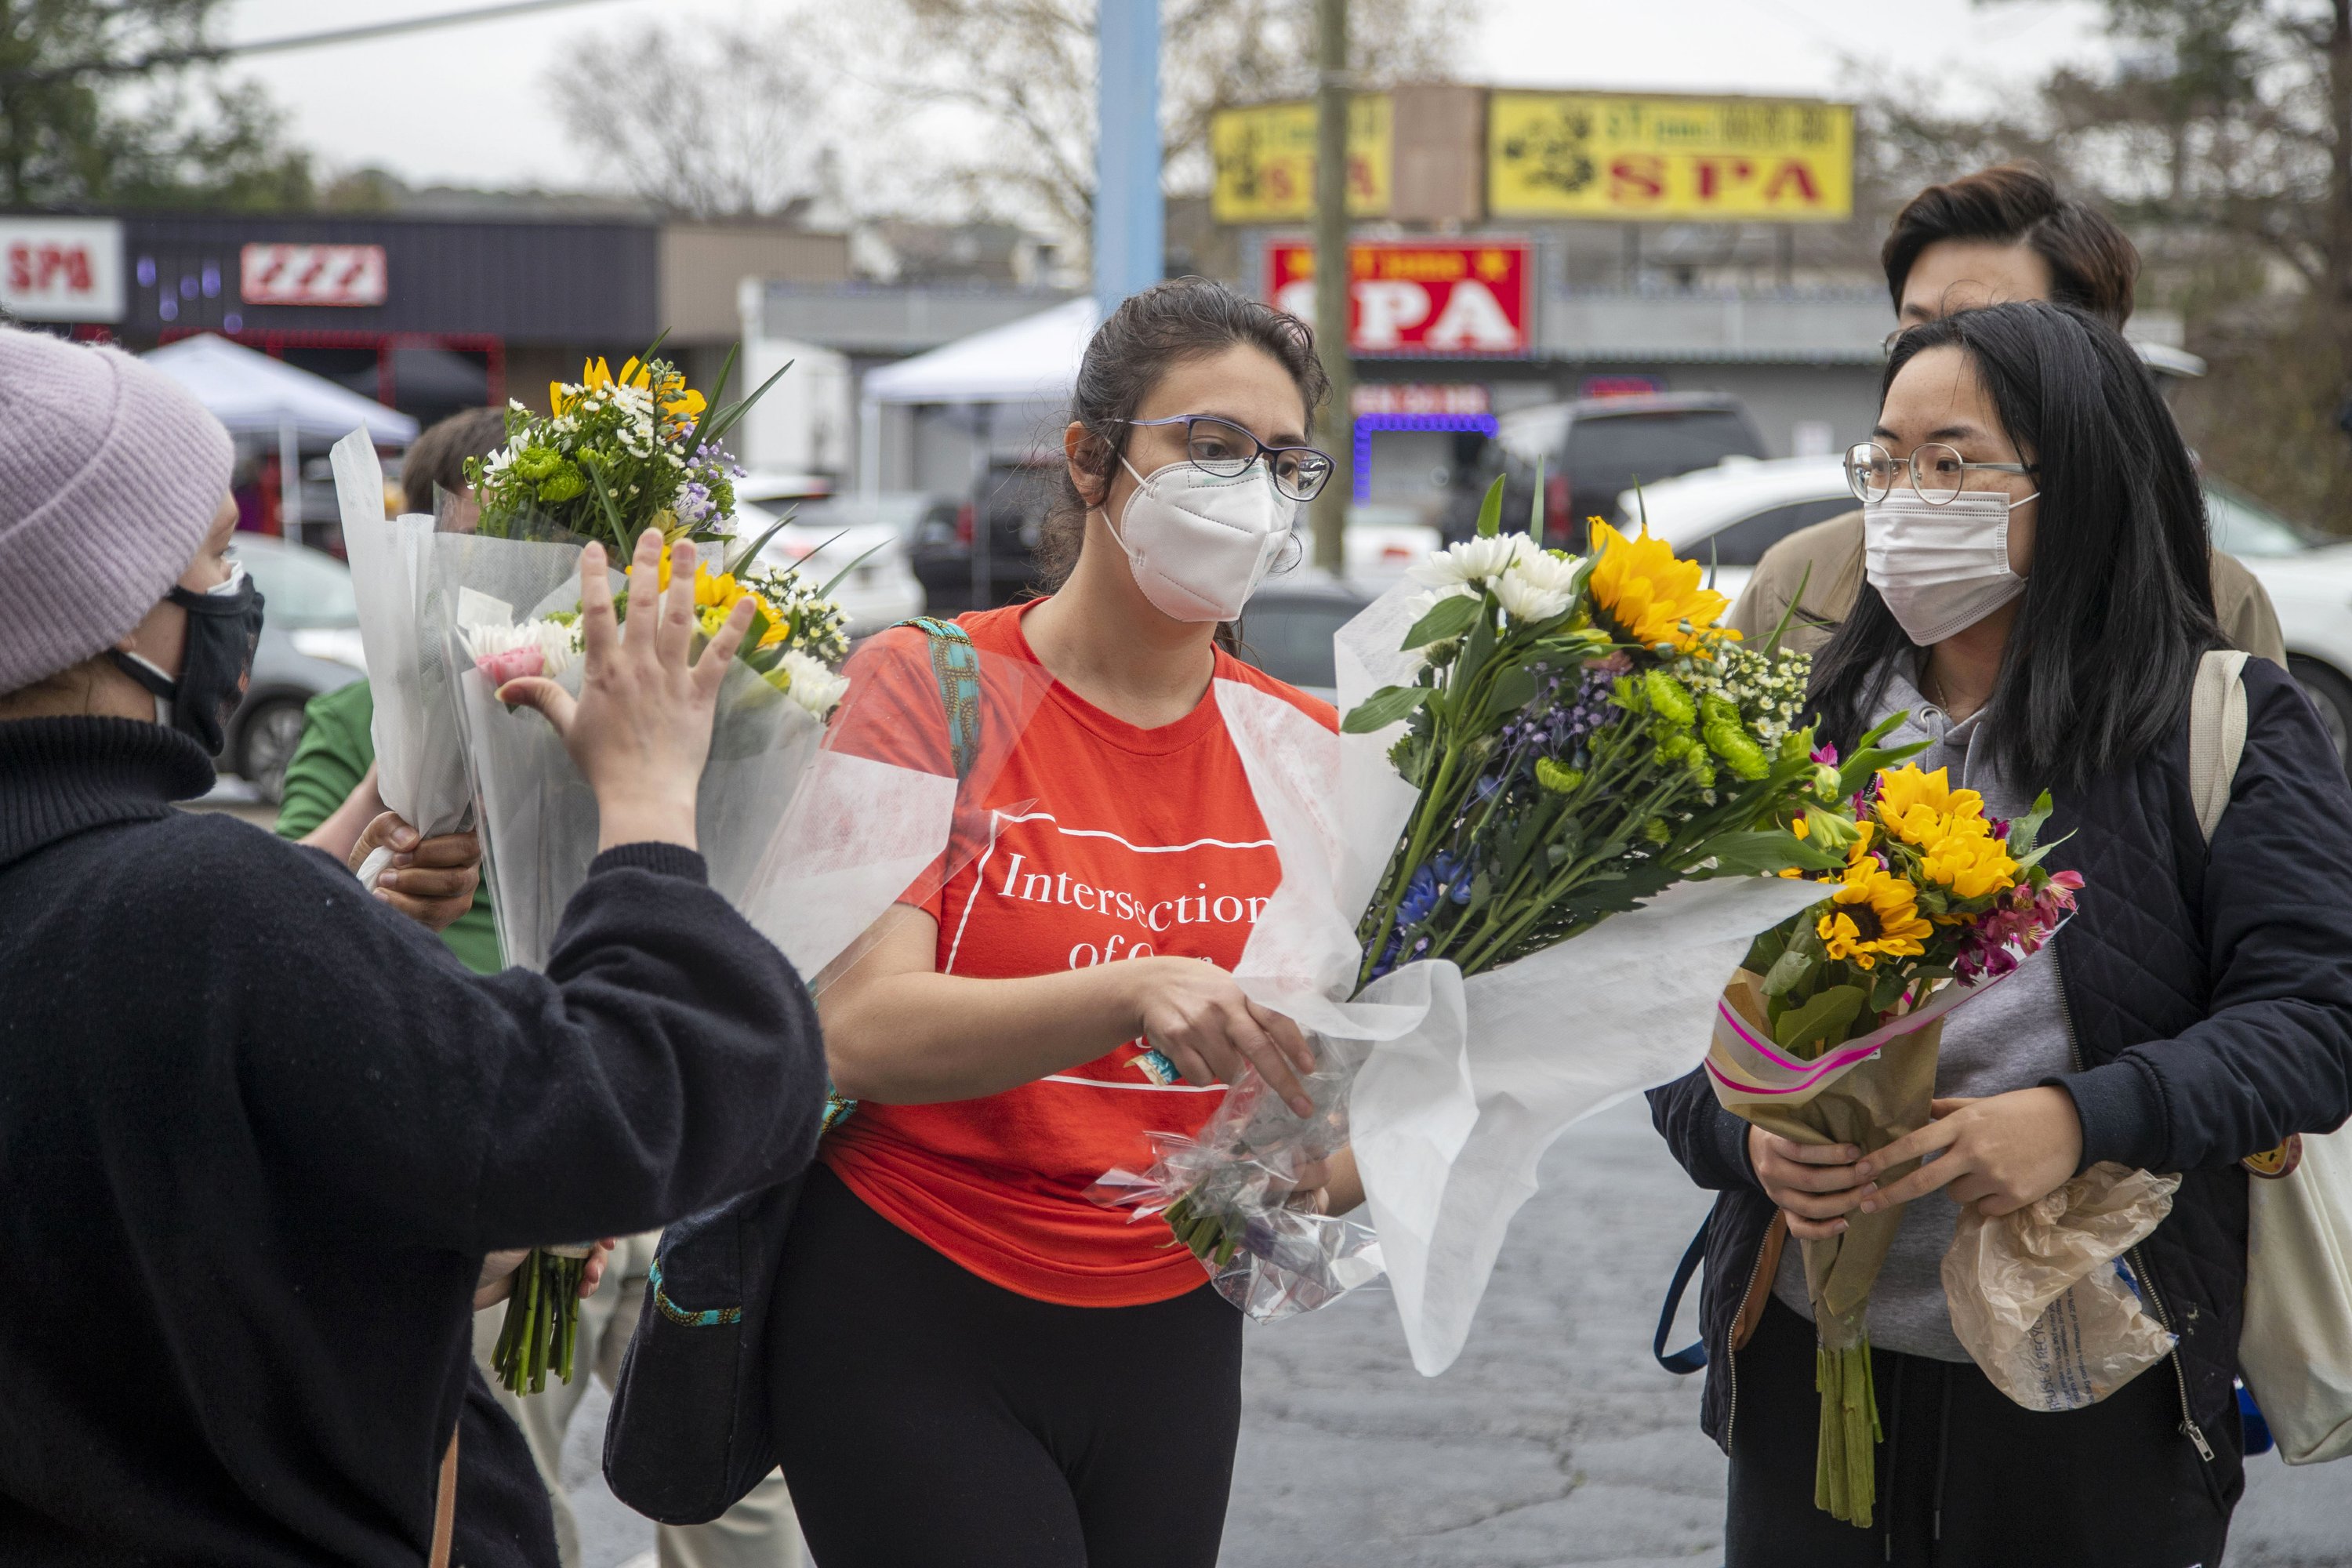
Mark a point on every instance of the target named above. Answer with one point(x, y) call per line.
point(1732, 513)
point(310, 645)
point(1383, 543)
point(1592, 449)
point(1287, 628)
point(1017, 498)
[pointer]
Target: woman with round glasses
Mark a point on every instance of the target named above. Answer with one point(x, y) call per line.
point(2037, 601)
point(974, 1363)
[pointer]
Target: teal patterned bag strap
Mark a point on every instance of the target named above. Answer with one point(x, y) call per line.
point(955, 663)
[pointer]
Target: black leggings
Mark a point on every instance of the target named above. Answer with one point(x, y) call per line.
point(1966, 1476)
point(926, 1416)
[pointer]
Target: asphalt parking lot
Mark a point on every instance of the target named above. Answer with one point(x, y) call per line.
point(1554, 1440)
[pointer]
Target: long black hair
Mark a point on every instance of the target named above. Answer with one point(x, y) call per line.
point(2118, 603)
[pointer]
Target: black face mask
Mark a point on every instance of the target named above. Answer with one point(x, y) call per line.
point(223, 627)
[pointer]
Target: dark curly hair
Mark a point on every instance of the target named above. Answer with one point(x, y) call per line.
point(1182, 318)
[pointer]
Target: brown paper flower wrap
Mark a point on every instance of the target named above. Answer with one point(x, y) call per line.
point(1828, 1033)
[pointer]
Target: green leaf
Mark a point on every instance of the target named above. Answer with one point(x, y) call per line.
point(724, 420)
point(1447, 619)
point(1772, 643)
point(1535, 512)
point(1490, 511)
point(826, 591)
point(2025, 832)
point(623, 545)
point(744, 557)
point(1382, 708)
point(1787, 971)
point(1825, 1021)
point(1764, 852)
point(1514, 689)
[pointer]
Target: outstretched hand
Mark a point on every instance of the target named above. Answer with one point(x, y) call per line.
point(640, 730)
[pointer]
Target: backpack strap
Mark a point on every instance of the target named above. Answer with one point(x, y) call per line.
point(2217, 734)
point(2217, 742)
point(955, 663)
point(1691, 1357)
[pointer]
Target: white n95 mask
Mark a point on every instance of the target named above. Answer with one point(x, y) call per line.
point(1941, 569)
point(1199, 544)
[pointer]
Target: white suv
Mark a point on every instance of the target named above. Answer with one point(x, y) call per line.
point(1731, 513)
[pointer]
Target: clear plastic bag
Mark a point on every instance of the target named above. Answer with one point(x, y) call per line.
point(2042, 1297)
point(1246, 1175)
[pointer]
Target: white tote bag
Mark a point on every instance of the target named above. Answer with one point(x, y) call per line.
point(2295, 1349)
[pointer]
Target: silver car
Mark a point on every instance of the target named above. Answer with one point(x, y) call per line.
point(310, 645)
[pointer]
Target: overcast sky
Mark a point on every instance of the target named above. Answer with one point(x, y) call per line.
point(469, 104)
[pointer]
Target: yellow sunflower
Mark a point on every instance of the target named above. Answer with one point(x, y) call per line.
point(1873, 915)
point(1650, 594)
point(1921, 808)
point(1970, 864)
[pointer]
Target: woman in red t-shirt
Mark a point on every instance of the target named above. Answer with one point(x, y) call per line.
point(975, 1363)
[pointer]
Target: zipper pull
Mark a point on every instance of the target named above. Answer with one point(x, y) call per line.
point(2197, 1435)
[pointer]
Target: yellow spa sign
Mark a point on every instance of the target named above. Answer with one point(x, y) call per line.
point(1266, 160)
point(1602, 155)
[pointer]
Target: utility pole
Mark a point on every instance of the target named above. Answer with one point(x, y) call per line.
point(1338, 436)
point(1129, 244)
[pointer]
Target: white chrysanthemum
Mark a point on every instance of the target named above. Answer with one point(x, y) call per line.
point(1473, 561)
point(1528, 600)
point(1544, 568)
point(813, 687)
point(556, 644)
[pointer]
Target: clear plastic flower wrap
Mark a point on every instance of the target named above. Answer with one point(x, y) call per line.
point(407, 577)
point(1245, 1176)
point(817, 828)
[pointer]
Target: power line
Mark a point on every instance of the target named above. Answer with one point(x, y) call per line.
point(203, 54)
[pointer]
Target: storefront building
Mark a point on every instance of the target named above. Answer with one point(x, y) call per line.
point(425, 314)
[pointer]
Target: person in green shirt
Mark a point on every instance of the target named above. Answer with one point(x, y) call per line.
point(330, 797)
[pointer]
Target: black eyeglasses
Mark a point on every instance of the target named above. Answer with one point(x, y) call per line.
point(1222, 448)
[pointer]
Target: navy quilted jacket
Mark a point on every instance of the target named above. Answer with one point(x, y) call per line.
point(2211, 1002)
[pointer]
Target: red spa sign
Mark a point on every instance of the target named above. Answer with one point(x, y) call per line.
point(1415, 297)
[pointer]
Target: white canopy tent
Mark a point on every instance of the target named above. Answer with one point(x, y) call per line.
point(1033, 360)
point(255, 395)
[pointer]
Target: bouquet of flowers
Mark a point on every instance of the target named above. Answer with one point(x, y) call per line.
point(1827, 1032)
point(614, 455)
point(812, 829)
point(617, 455)
point(1559, 741)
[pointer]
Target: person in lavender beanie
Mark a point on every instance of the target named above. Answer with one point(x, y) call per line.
point(266, 1146)
point(112, 476)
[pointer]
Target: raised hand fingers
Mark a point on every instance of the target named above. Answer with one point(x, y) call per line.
point(643, 627)
point(711, 668)
point(677, 638)
point(596, 621)
point(1805, 1229)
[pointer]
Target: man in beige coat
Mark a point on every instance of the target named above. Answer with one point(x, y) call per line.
point(2002, 233)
